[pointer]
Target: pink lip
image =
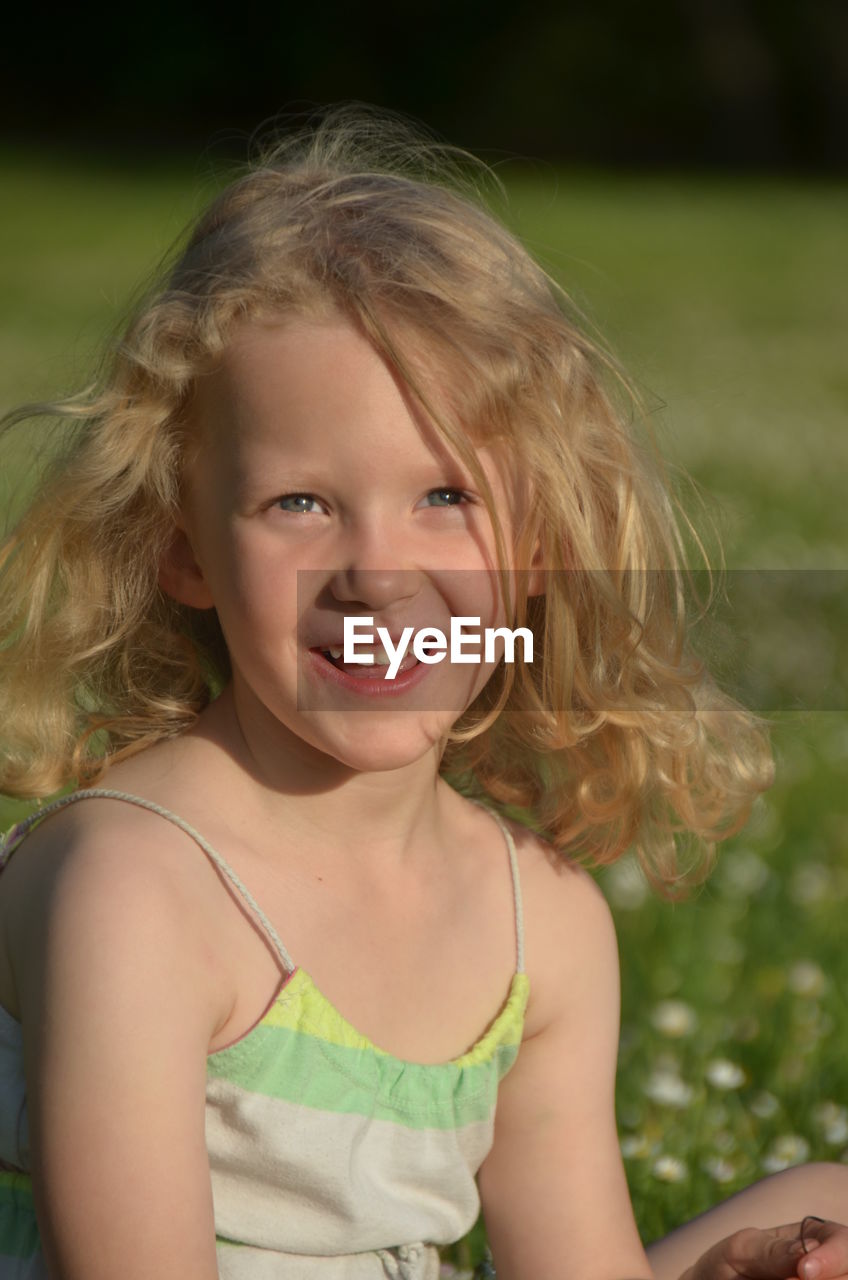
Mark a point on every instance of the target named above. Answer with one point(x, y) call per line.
point(371, 687)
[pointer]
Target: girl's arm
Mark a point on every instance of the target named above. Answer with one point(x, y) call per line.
point(553, 1187)
point(554, 1193)
point(117, 1017)
point(820, 1189)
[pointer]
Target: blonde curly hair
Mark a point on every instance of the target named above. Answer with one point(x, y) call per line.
point(615, 736)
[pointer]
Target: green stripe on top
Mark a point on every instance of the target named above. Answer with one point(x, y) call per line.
point(304, 1051)
point(301, 1006)
point(19, 1236)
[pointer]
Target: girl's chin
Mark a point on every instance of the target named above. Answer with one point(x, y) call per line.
point(380, 748)
point(378, 737)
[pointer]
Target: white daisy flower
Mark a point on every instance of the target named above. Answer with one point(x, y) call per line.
point(667, 1088)
point(669, 1169)
point(787, 1150)
point(719, 1168)
point(806, 978)
point(635, 1146)
point(724, 1074)
point(832, 1120)
point(674, 1018)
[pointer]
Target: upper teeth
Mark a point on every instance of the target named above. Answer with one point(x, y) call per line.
point(381, 658)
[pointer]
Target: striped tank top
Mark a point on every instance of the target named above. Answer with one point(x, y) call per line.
point(329, 1158)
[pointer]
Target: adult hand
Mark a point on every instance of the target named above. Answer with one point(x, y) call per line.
point(779, 1253)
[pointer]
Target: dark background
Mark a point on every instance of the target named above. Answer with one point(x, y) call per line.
point(731, 84)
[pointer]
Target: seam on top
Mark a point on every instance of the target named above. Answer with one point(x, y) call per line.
point(376, 1083)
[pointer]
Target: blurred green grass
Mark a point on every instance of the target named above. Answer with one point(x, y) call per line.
point(726, 301)
point(735, 1018)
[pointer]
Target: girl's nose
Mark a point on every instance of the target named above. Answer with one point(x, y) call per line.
point(372, 587)
point(378, 563)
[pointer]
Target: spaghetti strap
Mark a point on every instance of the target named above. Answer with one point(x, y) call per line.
point(18, 832)
point(516, 885)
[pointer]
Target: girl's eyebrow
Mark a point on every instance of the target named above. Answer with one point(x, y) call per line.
point(295, 474)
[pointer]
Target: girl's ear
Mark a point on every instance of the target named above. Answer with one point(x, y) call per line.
point(536, 582)
point(181, 577)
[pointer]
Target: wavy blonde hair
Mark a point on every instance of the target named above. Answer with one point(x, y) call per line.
point(614, 736)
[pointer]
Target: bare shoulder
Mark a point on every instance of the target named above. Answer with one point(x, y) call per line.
point(110, 849)
point(568, 927)
point(108, 870)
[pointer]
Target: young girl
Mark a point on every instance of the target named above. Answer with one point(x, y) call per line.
point(265, 975)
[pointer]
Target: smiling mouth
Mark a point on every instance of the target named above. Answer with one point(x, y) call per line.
point(377, 670)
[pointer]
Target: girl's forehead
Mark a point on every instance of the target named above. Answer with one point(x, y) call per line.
point(297, 347)
point(314, 372)
point(300, 360)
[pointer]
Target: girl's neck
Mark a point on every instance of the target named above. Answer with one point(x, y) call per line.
point(286, 784)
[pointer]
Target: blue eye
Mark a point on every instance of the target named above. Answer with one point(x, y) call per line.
point(446, 497)
point(298, 503)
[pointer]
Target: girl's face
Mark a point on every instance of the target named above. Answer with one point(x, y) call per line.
point(319, 492)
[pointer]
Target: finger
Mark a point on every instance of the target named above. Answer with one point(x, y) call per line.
point(764, 1255)
point(827, 1251)
point(821, 1254)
